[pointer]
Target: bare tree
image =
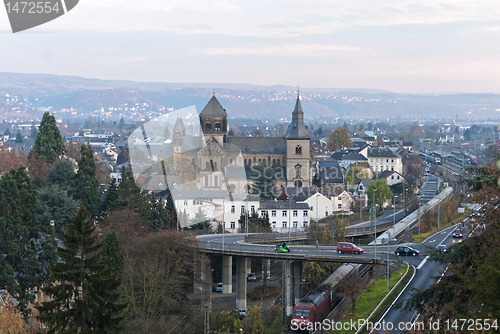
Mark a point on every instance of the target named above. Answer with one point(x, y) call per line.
point(351, 286)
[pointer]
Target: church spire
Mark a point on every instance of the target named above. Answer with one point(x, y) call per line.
point(297, 129)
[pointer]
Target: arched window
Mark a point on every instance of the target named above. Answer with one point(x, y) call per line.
point(274, 162)
point(298, 149)
point(279, 163)
point(217, 127)
point(206, 181)
point(208, 126)
point(269, 161)
point(246, 162)
point(216, 181)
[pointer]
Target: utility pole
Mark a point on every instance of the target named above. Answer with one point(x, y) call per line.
point(375, 222)
point(418, 197)
point(388, 241)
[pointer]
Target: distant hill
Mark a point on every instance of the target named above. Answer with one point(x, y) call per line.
point(240, 100)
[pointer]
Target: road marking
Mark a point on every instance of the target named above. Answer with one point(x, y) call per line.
point(422, 263)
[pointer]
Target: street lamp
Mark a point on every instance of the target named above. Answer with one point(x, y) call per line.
point(375, 222)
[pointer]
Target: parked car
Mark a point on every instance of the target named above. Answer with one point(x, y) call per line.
point(251, 277)
point(282, 248)
point(219, 287)
point(441, 248)
point(405, 250)
point(457, 235)
point(348, 248)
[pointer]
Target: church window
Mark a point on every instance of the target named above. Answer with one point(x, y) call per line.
point(278, 163)
point(274, 162)
point(298, 149)
point(208, 126)
point(269, 161)
point(246, 162)
point(217, 127)
point(206, 181)
point(297, 171)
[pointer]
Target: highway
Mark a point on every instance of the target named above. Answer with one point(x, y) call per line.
point(425, 273)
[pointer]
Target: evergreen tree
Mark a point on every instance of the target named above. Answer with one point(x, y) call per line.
point(57, 204)
point(86, 183)
point(48, 143)
point(63, 174)
point(111, 252)
point(84, 298)
point(7, 132)
point(121, 124)
point(27, 247)
point(110, 202)
point(33, 132)
point(264, 182)
point(19, 137)
point(255, 223)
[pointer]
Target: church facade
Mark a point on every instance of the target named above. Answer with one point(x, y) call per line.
point(218, 163)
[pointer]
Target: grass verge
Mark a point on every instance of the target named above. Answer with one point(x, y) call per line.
point(423, 236)
point(258, 293)
point(371, 297)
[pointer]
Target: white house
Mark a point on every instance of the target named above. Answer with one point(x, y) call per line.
point(342, 202)
point(382, 159)
point(286, 216)
point(320, 206)
point(391, 177)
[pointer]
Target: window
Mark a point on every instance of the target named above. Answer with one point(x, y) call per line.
point(304, 224)
point(312, 208)
point(297, 171)
point(283, 213)
point(392, 177)
point(278, 163)
point(274, 225)
point(305, 213)
point(206, 181)
point(262, 213)
point(233, 209)
point(398, 177)
point(217, 127)
point(392, 168)
point(298, 149)
point(386, 160)
point(295, 224)
point(295, 213)
point(208, 126)
point(252, 209)
point(283, 224)
point(340, 198)
point(339, 206)
point(392, 160)
point(242, 209)
point(185, 202)
point(274, 162)
point(245, 162)
point(207, 166)
point(326, 213)
point(233, 225)
point(273, 213)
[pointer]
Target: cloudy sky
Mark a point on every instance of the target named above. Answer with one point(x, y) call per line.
point(400, 46)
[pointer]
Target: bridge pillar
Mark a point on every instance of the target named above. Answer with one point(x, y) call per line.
point(297, 280)
point(241, 282)
point(227, 274)
point(266, 268)
point(249, 266)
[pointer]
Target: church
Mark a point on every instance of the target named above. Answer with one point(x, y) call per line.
point(222, 162)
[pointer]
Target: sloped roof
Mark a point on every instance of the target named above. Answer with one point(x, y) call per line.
point(213, 108)
point(381, 152)
point(283, 205)
point(297, 128)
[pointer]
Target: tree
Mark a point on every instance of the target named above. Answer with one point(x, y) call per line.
point(62, 173)
point(27, 246)
point(7, 132)
point(38, 169)
point(264, 182)
point(255, 223)
point(382, 193)
point(230, 133)
point(11, 321)
point(48, 143)
point(84, 297)
point(199, 217)
point(351, 174)
point(351, 287)
point(19, 137)
point(339, 139)
point(111, 252)
point(255, 321)
point(467, 135)
point(11, 159)
point(111, 200)
point(86, 183)
point(57, 204)
point(33, 131)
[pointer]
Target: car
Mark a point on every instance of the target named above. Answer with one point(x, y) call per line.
point(406, 250)
point(441, 248)
point(219, 287)
point(251, 277)
point(242, 312)
point(457, 235)
point(348, 248)
point(282, 248)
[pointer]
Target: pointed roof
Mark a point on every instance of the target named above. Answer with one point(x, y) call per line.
point(179, 124)
point(297, 128)
point(213, 108)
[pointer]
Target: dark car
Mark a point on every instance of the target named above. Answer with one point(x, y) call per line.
point(405, 250)
point(251, 277)
point(457, 235)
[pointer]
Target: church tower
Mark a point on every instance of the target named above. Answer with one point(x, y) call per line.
point(178, 135)
point(297, 150)
point(213, 121)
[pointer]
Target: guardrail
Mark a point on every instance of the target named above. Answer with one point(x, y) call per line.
point(302, 253)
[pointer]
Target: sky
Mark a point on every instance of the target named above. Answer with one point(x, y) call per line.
point(400, 46)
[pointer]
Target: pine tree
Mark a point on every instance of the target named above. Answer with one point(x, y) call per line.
point(48, 143)
point(111, 252)
point(7, 132)
point(86, 183)
point(33, 131)
point(27, 247)
point(19, 137)
point(84, 298)
point(110, 203)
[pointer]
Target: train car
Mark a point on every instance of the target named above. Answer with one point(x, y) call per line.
point(317, 304)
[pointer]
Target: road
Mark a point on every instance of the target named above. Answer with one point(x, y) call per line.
point(424, 277)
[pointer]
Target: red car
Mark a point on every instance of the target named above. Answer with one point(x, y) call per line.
point(348, 248)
